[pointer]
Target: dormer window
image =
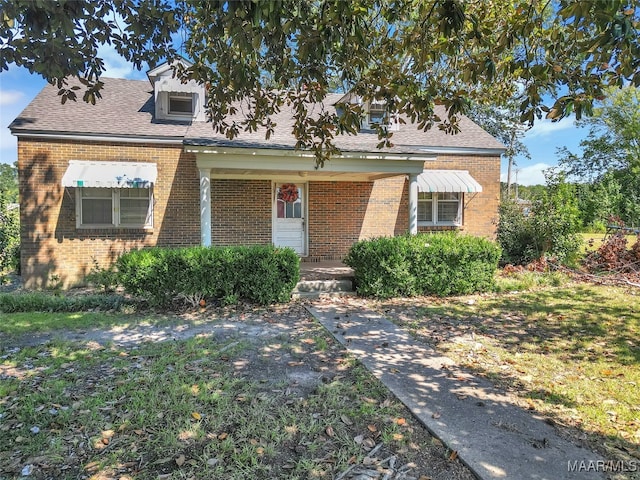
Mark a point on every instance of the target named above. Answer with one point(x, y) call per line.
point(376, 114)
point(176, 99)
point(180, 103)
point(379, 116)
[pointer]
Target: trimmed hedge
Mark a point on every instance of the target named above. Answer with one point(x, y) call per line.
point(46, 302)
point(435, 263)
point(259, 274)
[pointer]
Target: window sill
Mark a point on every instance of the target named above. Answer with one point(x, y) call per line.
point(113, 228)
point(439, 224)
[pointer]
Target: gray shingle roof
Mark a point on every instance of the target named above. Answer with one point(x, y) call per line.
point(126, 110)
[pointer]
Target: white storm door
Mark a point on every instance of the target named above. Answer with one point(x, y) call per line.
point(289, 217)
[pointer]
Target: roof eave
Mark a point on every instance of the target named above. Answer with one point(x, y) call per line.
point(177, 140)
point(491, 151)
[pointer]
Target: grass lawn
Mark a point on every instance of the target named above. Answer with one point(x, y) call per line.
point(571, 352)
point(292, 405)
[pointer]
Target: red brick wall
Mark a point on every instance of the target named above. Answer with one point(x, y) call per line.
point(480, 212)
point(50, 243)
point(339, 213)
point(240, 212)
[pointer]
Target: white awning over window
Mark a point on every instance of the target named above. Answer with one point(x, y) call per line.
point(447, 181)
point(81, 173)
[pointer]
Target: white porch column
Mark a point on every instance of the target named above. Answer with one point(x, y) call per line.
point(205, 206)
point(413, 204)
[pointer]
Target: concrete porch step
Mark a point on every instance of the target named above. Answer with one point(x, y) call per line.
point(316, 288)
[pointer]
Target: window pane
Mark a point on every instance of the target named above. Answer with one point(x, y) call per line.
point(447, 211)
point(133, 211)
point(425, 210)
point(449, 196)
point(96, 211)
point(95, 192)
point(180, 104)
point(134, 206)
point(289, 209)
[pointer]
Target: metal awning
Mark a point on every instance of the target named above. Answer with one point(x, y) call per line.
point(447, 181)
point(81, 173)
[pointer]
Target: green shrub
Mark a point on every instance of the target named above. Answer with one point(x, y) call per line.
point(9, 237)
point(259, 274)
point(46, 302)
point(438, 264)
point(104, 278)
point(550, 231)
point(516, 235)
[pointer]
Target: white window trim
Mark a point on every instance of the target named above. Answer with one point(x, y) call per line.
point(434, 212)
point(115, 213)
point(181, 115)
point(391, 124)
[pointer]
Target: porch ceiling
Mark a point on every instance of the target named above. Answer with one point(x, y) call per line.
point(236, 163)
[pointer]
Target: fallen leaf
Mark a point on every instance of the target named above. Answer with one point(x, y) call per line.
point(196, 415)
point(212, 462)
point(453, 455)
point(368, 443)
point(436, 415)
point(329, 431)
point(401, 421)
point(398, 436)
point(260, 451)
point(359, 439)
point(223, 435)
point(372, 428)
point(180, 460)
point(346, 420)
point(394, 370)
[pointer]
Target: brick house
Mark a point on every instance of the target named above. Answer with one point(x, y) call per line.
point(142, 167)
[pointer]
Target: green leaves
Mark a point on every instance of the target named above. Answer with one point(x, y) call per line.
point(409, 52)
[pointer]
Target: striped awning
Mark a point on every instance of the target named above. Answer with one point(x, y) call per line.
point(447, 181)
point(82, 173)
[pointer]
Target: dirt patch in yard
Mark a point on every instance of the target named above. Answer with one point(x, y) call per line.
point(235, 393)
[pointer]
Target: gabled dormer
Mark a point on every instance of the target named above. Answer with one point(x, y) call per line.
point(175, 100)
point(375, 113)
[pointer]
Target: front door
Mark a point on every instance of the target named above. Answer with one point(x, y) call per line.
point(289, 217)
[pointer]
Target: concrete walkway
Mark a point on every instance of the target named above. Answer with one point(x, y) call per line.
point(494, 437)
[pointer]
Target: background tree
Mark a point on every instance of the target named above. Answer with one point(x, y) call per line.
point(409, 53)
point(9, 182)
point(610, 159)
point(503, 122)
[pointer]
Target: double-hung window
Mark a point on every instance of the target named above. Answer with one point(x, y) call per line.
point(441, 208)
point(114, 207)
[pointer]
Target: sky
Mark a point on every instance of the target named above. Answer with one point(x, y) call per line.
point(18, 87)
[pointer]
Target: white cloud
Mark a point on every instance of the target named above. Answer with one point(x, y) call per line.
point(10, 97)
point(116, 66)
point(530, 175)
point(545, 128)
